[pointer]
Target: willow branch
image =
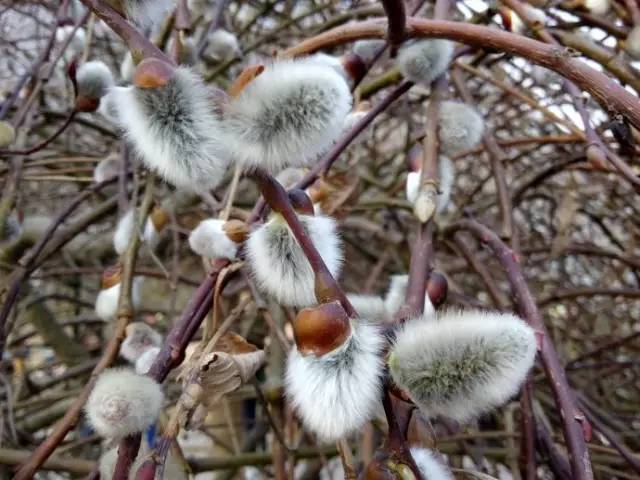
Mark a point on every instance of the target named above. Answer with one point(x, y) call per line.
point(573, 419)
point(611, 95)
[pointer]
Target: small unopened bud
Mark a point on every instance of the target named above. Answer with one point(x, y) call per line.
point(214, 238)
point(140, 337)
point(107, 300)
point(152, 73)
point(111, 276)
point(320, 330)
point(107, 168)
point(301, 202)
point(146, 360)
point(437, 288)
point(425, 204)
point(122, 403)
point(236, 230)
point(7, 134)
point(354, 66)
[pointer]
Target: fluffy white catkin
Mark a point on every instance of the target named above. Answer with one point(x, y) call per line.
point(94, 79)
point(288, 115)
point(279, 265)
point(122, 403)
point(145, 361)
point(463, 365)
point(370, 307)
point(140, 338)
point(147, 13)
point(422, 61)
point(460, 127)
point(396, 294)
point(337, 393)
point(430, 467)
point(76, 44)
point(106, 168)
point(209, 240)
point(446, 172)
point(123, 232)
point(107, 299)
point(175, 130)
point(222, 46)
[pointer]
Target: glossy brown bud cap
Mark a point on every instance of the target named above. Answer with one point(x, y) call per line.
point(111, 276)
point(87, 104)
point(320, 330)
point(354, 66)
point(437, 288)
point(301, 202)
point(236, 230)
point(153, 73)
point(159, 218)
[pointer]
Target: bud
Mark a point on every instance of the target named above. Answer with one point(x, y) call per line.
point(464, 364)
point(288, 115)
point(7, 134)
point(437, 288)
point(320, 330)
point(337, 392)
point(442, 199)
point(169, 118)
point(146, 360)
point(215, 238)
point(222, 46)
point(107, 168)
point(279, 264)
point(93, 79)
point(154, 226)
point(425, 204)
point(123, 403)
point(187, 52)
point(422, 61)
point(140, 337)
point(107, 299)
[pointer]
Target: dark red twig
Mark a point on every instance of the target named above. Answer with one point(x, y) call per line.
point(574, 421)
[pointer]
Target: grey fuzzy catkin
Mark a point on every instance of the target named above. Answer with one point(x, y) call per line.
point(94, 79)
point(464, 364)
point(422, 61)
point(460, 127)
point(175, 130)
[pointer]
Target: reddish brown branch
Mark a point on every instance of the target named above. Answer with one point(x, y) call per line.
point(573, 419)
point(397, 23)
point(611, 95)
